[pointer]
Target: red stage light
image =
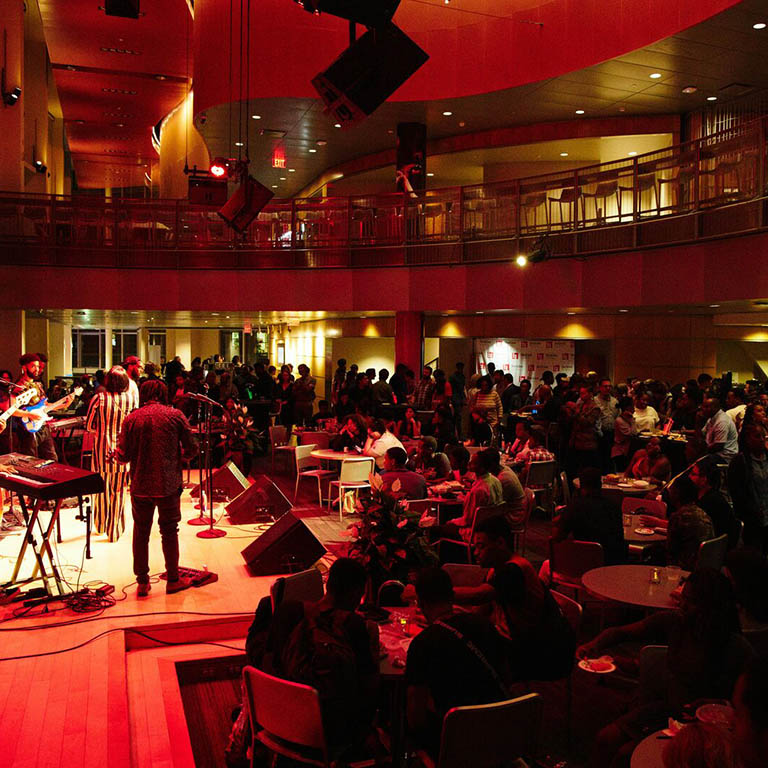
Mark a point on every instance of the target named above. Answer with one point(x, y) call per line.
point(218, 169)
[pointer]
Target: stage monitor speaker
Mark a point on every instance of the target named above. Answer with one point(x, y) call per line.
point(244, 205)
point(368, 72)
point(127, 9)
point(261, 499)
point(228, 481)
point(204, 190)
point(286, 546)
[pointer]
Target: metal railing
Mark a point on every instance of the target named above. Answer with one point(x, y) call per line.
point(711, 187)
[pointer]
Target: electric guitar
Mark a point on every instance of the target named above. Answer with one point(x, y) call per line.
point(17, 402)
point(42, 408)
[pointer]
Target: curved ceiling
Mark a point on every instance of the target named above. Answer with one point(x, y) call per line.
point(475, 46)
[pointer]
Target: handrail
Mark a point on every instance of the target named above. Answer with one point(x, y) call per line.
point(703, 188)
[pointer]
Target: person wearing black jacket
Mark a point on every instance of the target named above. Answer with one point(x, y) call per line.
point(748, 486)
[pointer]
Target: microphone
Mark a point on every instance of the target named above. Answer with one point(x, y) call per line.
point(10, 384)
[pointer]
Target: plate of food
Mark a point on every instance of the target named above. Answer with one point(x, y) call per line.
point(613, 478)
point(626, 485)
point(644, 531)
point(717, 714)
point(600, 666)
point(640, 483)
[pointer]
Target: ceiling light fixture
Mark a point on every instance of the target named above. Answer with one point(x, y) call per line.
point(579, 111)
point(282, 178)
point(274, 186)
point(623, 310)
point(711, 98)
point(570, 313)
point(563, 154)
point(714, 306)
point(632, 153)
point(312, 151)
point(239, 144)
point(429, 173)
point(690, 89)
point(759, 25)
point(655, 75)
point(447, 114)
point(337, 125)
point(321, 142)
point(256, 117)
point(291, 170)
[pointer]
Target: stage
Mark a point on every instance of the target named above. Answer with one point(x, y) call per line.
point(116, 701)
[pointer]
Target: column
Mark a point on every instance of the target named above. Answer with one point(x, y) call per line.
point(59, 349)
point(409, 340)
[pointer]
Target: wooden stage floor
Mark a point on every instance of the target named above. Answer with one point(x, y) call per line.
point(115, 701)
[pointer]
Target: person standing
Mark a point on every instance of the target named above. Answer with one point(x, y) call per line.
point(153, 440)
point(134, 369)
point(458, 384)
point(304, 396)
point(106, 413)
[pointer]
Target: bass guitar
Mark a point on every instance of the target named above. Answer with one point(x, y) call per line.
point(42, 408)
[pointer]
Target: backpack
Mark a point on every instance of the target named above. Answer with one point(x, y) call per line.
point(319, 654)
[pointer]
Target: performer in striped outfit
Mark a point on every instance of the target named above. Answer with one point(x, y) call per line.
point(106, 413)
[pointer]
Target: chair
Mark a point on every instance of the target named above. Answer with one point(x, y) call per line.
point(484, 735)
point(481, 513)
point(308, 466)
point(278, 441)
point(634, 506)
point(652, 673)
point(565, 489)
point(568, 196)
point(285, 717)
point(645, 183)
point(465, 575)
point(531, 203)
point(353, 476)
point(573, 613)
point(306, 586)
point(520, 529)
point(603, 190)
point(321, 440)
point(712, 552)
point(541, 479)
point(569, 560)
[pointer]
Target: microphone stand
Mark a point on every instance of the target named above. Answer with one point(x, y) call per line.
point(206, 406)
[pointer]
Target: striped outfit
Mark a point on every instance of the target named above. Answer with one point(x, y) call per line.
point(106, 413)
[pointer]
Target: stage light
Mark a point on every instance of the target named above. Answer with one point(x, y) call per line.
point(40, 166)
point(10, 98)
point(218, 168)
point(371, 13)
point(521, 260)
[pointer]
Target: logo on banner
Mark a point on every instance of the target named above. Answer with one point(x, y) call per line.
point(555, 368)
point(531, 368)
point(506, 366)
point(565, 355)
point(524, 344)
point(540, 356)
point(549, 345)
point(489, 354)
point(515, 355)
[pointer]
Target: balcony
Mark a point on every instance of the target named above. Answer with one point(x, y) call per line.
point(709, 188)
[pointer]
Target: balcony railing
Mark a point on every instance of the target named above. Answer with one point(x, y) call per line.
point(707, 188)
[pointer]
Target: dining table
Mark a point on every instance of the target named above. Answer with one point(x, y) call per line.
point(633, 585)
point(328, 454)
point(624, 487)
point(648, 753)
point(632, 525)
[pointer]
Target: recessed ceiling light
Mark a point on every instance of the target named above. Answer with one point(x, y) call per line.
point(759, 25)
point(205, 321)
point(321, 142)
point(632, 153)
point(312, 151)
point(480, 313)
point(714, 306)
point(690, 89)
point(239, 144)
point(563, 154)
point(579, 111)
point(337, 125)
point(282, 178)
point(655, 75)
point(623, 310)
point(227, 317)
point(447, 114)
point(291, 170)
point(274, 186)
point(570, 313)
point(159, 77)
point(256, 117)
point(429, 173)
point(711, 98)
point(215, 314)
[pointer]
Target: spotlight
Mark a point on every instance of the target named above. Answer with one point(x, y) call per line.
point(219, 168)
point(372, 13)
point(11, 97)
point(40, 166)
point(522, 260)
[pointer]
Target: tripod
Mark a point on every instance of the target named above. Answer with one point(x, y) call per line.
point(206, 406)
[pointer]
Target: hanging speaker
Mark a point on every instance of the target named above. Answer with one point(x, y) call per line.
point(244, 205)
point(368, 73)
point(128, 9)
point(287, 546)
point(228, 481)
point(259, 500)
point(204, 190)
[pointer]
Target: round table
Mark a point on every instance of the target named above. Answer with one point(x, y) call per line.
point(631, 584)
point(625, 489)
point(648, 752)
point(638, 538)
point(330, 455)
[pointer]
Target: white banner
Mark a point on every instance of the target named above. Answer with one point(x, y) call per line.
point(524, 359)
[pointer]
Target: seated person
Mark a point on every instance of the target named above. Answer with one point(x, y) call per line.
point(295, 651)
point(409, 427)
point(518, 450)
point(379, 441)
point(750, 703)
point(481, 432)
point(458, 660)
point(412, 484)
point(433, 464)
point(645, 415)
point(443, 428)
point(459, 457)
point(511, 488)
point(540, 640)
point(352, 435)
point(535, 451)
point(323, 414)
point(706, 653)
point(623, 430)
point(706, 475)
point(345, 406)
point(650, 462)
point(593, 517)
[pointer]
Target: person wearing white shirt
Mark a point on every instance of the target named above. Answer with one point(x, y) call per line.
point(720, 432)
point(734, 402)
point(646, 418)
point(379, 441)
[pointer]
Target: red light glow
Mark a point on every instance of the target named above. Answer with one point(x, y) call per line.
point(217, 170)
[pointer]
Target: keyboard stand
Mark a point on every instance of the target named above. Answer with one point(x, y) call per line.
point(43, 551)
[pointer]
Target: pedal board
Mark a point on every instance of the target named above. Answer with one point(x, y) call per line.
point(197, 577)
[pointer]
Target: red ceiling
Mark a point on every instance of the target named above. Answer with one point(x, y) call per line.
point(76, 31)
point(475, 46)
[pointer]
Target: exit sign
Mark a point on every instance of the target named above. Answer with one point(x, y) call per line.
point(278, 159)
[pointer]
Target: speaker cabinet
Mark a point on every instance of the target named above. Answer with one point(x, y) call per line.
point(206, 191)
point(228, 481)
point(127, 9)
point(261, 499)
point(368, 73)
point(286, 546)
point(244, 205)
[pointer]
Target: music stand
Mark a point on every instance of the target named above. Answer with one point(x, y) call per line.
point(205, 410)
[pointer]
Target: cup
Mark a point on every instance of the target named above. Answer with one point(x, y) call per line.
point(673, 574)
point(627, 520)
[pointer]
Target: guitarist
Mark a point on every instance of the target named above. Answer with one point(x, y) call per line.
point(39, 444)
